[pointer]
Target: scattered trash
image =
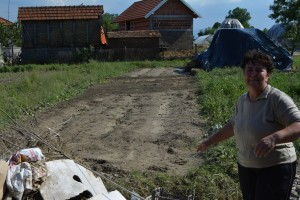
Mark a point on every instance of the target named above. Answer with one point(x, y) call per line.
point(20, 177)
point(26, 172)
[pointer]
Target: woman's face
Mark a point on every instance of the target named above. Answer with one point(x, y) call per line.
point(256, 76)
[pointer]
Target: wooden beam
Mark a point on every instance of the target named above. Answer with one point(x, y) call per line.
point(74, 33)
point(61, 31)
point(87, 31)
point(48, 34)
point(34, 35)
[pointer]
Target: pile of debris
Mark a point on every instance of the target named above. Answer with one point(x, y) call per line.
point(27, 175)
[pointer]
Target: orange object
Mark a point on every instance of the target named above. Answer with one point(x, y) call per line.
point(23, 158)
point(102, 36)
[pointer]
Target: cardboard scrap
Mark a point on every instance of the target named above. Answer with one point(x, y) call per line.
point(3, 174)
point(68, 179)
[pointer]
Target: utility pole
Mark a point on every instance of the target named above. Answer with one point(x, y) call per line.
point(11, 38)
point(8, 10)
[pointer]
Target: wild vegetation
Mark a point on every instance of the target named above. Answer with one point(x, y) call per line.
point(10, 34)
point(29, 88)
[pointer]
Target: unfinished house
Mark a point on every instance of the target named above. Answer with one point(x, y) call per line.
point(172, 18)
point(57, 33)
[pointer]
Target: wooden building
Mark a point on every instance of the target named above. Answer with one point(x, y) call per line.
point(134, 45)
point(172, 18)
point(54, 33)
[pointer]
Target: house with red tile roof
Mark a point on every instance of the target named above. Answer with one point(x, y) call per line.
point(5, 21)
point(54, 33)
point(172, 18)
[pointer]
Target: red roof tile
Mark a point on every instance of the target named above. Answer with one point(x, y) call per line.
point(138, 10)
point(5, 21)
point(142, 9)
point(59, 12)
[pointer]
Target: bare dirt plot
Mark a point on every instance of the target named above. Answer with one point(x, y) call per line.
point(146, 120)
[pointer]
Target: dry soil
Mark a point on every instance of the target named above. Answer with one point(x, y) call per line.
point(146, 120)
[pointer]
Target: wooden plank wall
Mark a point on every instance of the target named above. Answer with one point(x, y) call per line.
point(133, 43)
point(60, 33)
point(128, 54)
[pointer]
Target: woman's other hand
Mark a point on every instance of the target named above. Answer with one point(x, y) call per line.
point(265, 146)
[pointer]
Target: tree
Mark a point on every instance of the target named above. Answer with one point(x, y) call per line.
point(288, 13)
point(206, 31)
point(209, 30)
point(216, 25)
point(265, 30)
point(241, 14)
point(10, 33)
point(108, 23)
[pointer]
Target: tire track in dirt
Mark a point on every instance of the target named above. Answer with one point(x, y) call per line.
point(146, 120)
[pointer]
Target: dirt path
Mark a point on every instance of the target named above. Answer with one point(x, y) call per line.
point(146, 120)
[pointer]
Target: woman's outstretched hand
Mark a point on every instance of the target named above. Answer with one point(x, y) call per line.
point(203, 146)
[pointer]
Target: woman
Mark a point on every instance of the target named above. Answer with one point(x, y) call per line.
point(264, 124)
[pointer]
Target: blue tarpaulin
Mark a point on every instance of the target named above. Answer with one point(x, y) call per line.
point(229, 45)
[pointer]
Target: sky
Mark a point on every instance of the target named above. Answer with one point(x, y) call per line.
point(211, 11)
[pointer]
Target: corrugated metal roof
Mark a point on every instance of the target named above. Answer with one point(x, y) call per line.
point(134, 34)
point(59, 12)
point(144, 9)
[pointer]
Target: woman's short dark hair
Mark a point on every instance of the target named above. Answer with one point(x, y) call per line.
point(256, 56)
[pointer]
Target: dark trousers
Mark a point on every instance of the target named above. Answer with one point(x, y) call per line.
point(270, 183)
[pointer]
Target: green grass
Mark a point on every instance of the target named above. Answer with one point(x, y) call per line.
point(219, 90)
point(296, 62)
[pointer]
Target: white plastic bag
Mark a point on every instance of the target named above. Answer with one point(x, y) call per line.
point(19, 179)
point(32, 154)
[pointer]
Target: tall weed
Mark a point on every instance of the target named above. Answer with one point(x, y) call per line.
point(219, 90)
